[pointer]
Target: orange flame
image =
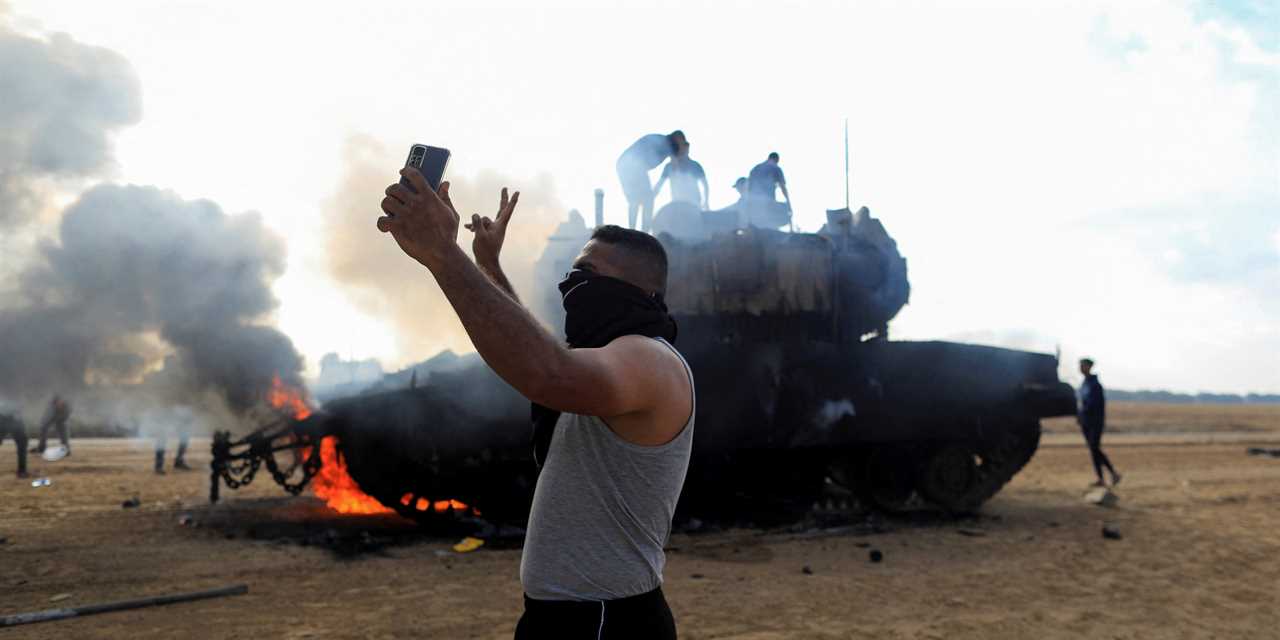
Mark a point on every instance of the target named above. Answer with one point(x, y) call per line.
point(282, 396)
point(440, 506)
point(332, 483)
point(335, 485)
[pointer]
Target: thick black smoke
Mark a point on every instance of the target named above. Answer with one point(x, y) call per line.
point(60, 101)
point(130, 297)
point(135, 272)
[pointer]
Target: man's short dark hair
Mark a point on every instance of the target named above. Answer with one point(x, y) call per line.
point(1087, 361)
point(773, 155)
point(650, 259)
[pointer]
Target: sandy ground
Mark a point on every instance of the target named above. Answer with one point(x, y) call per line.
point(1199, 558)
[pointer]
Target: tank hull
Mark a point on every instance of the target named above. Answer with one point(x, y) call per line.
point(804, 411)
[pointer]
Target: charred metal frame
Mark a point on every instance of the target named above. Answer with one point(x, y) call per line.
point(237, 462)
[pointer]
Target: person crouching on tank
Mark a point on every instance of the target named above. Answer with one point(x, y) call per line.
point(613, 412)
point(635, 163)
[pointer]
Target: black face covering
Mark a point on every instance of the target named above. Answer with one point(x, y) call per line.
point(599, 309)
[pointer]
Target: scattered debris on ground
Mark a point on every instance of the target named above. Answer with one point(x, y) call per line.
point(468, 544)
point(1101, 496)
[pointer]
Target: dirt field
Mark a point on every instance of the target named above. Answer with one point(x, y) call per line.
point(1199, 557)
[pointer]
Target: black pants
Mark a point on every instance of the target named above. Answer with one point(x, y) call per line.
point(60, 426)
point(1093, 437)
point(15, 428)
point(184, 438)
point(645, 616)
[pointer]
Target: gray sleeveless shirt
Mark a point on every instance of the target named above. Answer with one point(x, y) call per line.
point(602, 511)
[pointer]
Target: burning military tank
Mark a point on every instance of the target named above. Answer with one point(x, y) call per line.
point(800, 394)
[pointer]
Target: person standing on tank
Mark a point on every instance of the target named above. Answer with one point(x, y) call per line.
point(613, 411)
point(688, 180)
point(1092, 417)
point(763, 183)
point(634, 165)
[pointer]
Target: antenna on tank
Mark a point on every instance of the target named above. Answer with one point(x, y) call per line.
point(846, 163)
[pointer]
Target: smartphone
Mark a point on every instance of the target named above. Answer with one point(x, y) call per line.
point(429, 161)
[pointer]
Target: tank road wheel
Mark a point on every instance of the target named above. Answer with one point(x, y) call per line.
point(948, 478)
point(959, 477)
point(1003, 456)
point(886, 480)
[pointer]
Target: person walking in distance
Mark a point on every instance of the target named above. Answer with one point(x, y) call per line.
point(55, 417)
point(614, 411)
point(634, 165)
point(1093, 418)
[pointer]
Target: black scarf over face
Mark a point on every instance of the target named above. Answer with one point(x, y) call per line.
point(599, 309)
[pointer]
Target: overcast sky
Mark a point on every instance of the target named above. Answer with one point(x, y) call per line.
point(1102, 178)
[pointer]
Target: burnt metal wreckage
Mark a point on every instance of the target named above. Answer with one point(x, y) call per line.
point(799, 393)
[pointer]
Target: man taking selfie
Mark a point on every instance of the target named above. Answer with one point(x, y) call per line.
point(613, 411)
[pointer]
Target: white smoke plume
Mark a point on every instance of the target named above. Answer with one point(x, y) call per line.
point(380, 279)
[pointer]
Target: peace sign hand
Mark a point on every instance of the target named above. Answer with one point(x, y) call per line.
point(490, 233)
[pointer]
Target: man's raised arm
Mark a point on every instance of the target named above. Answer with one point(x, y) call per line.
point(596, 382)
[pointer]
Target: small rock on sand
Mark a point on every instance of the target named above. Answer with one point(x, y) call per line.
point(876, 555)
point(1111, 532)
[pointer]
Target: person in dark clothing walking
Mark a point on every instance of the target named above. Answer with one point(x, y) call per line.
point(11, 424)
point(1093, 420)
point(55, 417)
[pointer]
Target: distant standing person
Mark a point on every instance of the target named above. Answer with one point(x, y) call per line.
point(11, 425)
point(181, 419)
point(762, 185)
point(55, 417)
point(688, 180)
point(634, 165)
point(1093, 418)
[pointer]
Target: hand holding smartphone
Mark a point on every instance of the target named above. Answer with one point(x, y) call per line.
point(429, 161)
